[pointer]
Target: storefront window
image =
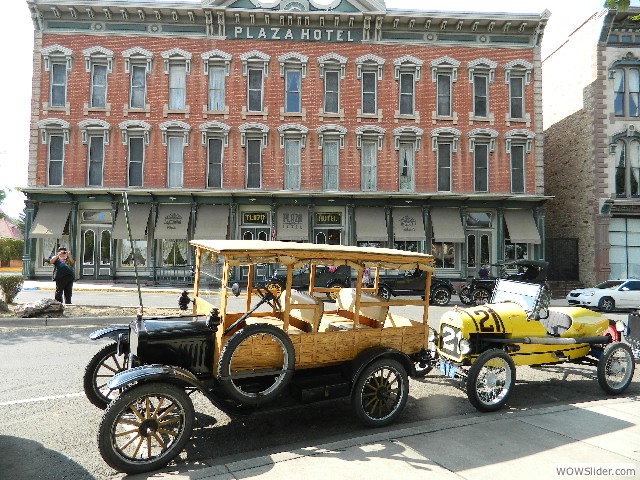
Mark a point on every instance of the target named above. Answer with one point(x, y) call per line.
point(407, 246)
point(513, 250)
point(129, 251)
point(174, 253)
point(444, 254)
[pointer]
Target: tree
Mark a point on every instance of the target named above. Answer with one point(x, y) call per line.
point(619, 4)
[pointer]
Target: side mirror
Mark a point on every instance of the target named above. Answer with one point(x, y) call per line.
point(235, 289)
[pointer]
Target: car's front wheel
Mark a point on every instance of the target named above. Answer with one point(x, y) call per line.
point(465, 295)
point(490, 380)
point(146, 427)
point(440, 296)
point(380, 392)
point(480, 296)
point(384, 292)
point(104, 365)
point(606, 304)
point(615, 368)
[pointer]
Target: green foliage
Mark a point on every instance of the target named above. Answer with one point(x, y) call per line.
point(10, 249)
point(11, 286)
point(619, 4)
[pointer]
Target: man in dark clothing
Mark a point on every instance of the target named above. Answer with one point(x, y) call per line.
point(63, 274)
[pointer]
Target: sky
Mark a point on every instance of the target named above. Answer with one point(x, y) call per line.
point(16, 38)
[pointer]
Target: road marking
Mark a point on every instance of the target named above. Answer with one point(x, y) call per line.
point(41, 399)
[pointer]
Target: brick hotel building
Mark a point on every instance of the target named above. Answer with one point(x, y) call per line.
point(344, 123)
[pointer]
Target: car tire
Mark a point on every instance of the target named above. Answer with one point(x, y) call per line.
point(615, 368)
point(606, 304)
point(146, 427)
point(380, 392)
point(440, 296)
point(104, 365)
point(333, 296)
point(465, 295)
point(257, 389)
point(384, 292)
point(480, 296)
point(490, 380)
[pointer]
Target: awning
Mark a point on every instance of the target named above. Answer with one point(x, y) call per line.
point(212, 222)
point(138, 219)
point(522, 226)
point(447, 225)
point(172, 222)
point(293, 223)
point(371, 225)
point(408, 224)
point(50, 220)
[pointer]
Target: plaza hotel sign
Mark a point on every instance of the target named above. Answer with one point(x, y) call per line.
point(295, 34)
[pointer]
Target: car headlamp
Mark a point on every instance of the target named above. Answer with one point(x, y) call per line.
point(465, 346)
point(620, 326)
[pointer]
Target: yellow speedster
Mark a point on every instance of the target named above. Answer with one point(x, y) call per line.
point(519, 328)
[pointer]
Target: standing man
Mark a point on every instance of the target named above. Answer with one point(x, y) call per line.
point(63, 274)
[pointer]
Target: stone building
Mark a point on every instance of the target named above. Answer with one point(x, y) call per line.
point(592, 148)
point(343, 123)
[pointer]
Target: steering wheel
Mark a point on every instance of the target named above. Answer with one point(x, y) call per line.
point(268, 296)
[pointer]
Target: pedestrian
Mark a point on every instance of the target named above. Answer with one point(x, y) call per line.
point(63, 274)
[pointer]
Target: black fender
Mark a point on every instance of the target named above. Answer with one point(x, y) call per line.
point(174, 375)
point(110, 332)
point(367, 356)
point(386, 285)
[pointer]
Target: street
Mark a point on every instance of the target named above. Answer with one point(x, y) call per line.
point(48, 428)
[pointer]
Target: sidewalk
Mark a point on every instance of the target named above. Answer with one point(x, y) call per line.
point(531, 444)
point(102, 287)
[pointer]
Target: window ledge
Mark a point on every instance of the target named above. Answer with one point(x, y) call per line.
point(509, 120)
point(302, 115)
point(435, 118)
point(415, 117)
point(369, 116)
point(86, 110)
point(126, 110)
point(166, 111)
point(322, 115)
point(264, 113)
point(490, 119)
point(215, 113)
point(46, 108)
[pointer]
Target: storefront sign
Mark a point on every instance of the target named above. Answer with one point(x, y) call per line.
point(328, 218)
point(255, 218)
point(292, 221)
point(172, 221)
point(296, 34)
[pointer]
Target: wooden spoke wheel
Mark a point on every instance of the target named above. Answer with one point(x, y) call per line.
point(104, 365)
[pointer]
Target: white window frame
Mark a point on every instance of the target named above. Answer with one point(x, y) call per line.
point(250, 141)
point(336, 65)
point(98, 56)
point(219, 162)
point(255, 60)
point(57, 54)
point(135, 129)
point(52, 84)
point(140, 58)
point(216, 60)
point(253, 131)
point(482, 136)
point(441, 67)
point(487, 69)
point(172, 59)
point(287, 72)
point(218, 131)
point(446, 78)
point(54, 127)
point(524, 167)
point(404, 65)
point(524, 138)
point(49, 137)
point(292, 167)
point(292, 131)
point(369, 134)
point(367, 65)
point(90, 140)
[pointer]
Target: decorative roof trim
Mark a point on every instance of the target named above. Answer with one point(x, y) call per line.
point(255, 56)
point(216, 56)
point(216, 129)
point(293, 58)
point(57, 51)
point(405, 62)
point(176, 54)
point(137, 54)
point(48, 126)
point(133, 126)
point(95, 54)
point(367, 62)
point(94, 125)
point(446, 131)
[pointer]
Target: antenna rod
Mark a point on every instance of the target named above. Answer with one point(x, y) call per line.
point(133, 253)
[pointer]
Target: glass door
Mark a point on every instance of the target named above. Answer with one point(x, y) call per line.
point(478, 252)
point(95, 258)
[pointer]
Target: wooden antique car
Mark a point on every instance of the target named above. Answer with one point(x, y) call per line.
point(281, 349)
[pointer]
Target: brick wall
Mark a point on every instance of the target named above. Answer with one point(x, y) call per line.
point(234, 156)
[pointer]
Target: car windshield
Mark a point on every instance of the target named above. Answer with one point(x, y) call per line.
point(609, 284)
point(524, 294)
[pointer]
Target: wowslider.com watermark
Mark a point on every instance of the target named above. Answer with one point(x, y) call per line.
point(596, 470)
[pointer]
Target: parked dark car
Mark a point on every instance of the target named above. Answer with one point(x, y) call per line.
point(329, 277)
point(479, 290)
point(412, 283)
